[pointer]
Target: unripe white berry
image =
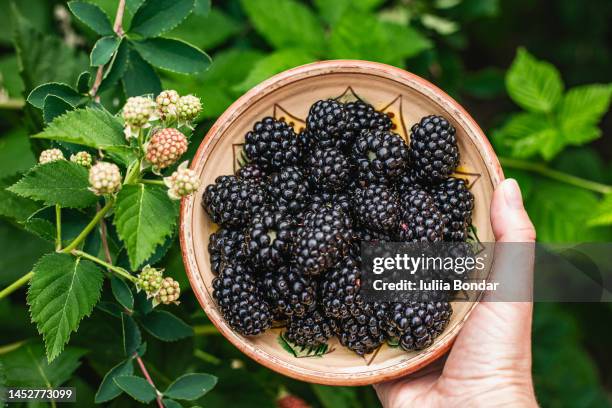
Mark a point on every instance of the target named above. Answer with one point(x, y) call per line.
point(182, 182)
point(166, 147)
point(138, 111)
point(168, 293)
point(81, 158)
point(188, 107)
point(166, 104)
point(50, 155)
point(104, 178)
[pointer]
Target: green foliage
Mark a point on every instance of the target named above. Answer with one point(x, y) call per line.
point(103, 50)
point(144, 217)
point(553, 120)
point(136, 387)
point(165, 326)
point(190, 386)
point(173, 55)
point(122, 293)
point(603, 212)
point(93, 16)
point(63, 290)
point(60, 182)
point(155, 17)
point(108, 389)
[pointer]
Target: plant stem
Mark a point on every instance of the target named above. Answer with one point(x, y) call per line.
point(81, 237)
point(133, 173)
point(12, 104)
point(154, 182)
point(205, 329)
point(555, 175)
point(58, 227)
point(158, 395)
point(16, 285)
point(116, 269)
point(12, 346)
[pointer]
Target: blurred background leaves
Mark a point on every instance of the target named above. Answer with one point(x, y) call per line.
point(539, 104)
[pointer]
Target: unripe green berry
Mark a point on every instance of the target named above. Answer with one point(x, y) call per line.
point(138, 111)
point(188, 107)
point(149, 280)
point(168, 293)
point(81, 158)
point(166, 104)
point(50, 155)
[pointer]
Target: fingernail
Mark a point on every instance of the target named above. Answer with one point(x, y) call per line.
point(512, 194)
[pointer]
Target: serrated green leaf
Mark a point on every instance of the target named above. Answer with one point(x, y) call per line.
point(122, 292)
point(272, 64)
point(155, 17)
point(561, 213)
point(94, 128)
point(66, 92)
point(526, 134)
point(140, 78)
point(587, 103)
point(191, 386)
point(55, 107)
point(133, 5)
point(13, 206)
point(220, 27)
point(173, 55)
point(136, 387)
point(108, 390)
point(602, 215)
point(60, 182)
point(286, 24)
point(27, 366)
point(64, 289)
point(82, 83)
point(166, 326)
point(363, 36)
point(131, 335)
point(92, 16)
point(116, 68)
point(44, 229)
point(144, 217)
point(103, 50)
point(534, 85)
point(332, 11)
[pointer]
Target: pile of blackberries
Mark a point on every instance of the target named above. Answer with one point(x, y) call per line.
point(291, 222)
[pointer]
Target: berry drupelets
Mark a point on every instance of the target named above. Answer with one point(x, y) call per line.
point(287, 252)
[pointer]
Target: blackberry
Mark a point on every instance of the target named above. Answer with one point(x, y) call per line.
point(421, 219)
point(269, 239)
point(241, 300)
point(380, 156)
point(323, 199)
point(232, 202)
point(339, 289)
point(272, 144)
point(377, 207)
point(251, 172)
point(329, 169)
point(434, 153)
point(366, 330)
point(368, 235)
point(456, 203)
point(328, 123)
point(322, 239)
point(417, 324)
point(289, 293)
point(288, 189)
point(313, 329)
point(363, 117)
point(307, 143)
point(226, 245)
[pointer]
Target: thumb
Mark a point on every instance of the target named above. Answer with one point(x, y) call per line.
point(508, 216)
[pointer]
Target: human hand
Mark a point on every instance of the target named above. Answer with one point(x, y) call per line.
point(490, 362)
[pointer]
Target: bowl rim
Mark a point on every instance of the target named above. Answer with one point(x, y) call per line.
point(487, 153)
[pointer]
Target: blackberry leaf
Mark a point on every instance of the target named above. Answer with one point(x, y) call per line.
point(191, 386)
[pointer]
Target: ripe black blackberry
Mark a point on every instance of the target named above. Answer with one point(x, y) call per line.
point(272, 144)
point(329, 169)
point(224, 246)
point(363, 117)
point(289, 293)
point(366, 330)
point(417, 324)
point(322, 240)
point(434, 153)
point(367, 235)
point(269, 239)
point(251, 172)
point(288, 189)
point(241, 300)
point(456, 203)
point(339, 289)
point(421, 219)
point(377, 207)
point(312, 329)
point(380, 156)
point(307, 144)
point(231, 201)
point(339, 201)
point(328, 123)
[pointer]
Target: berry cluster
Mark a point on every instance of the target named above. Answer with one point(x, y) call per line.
point(292, 219)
